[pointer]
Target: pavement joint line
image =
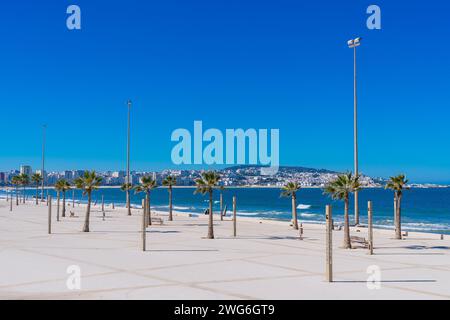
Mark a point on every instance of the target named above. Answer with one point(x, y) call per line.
point(124, 271)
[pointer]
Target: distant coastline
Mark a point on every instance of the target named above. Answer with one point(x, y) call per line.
point(243, 176)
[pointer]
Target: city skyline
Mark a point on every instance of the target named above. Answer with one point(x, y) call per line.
point(284, 66)
point(232, 176)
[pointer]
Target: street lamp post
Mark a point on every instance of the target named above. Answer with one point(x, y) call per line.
point(44, 127)
point(354, 43)
point(128, 159)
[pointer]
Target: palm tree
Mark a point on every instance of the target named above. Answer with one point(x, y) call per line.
point(206, 184)
point(290, 190)
point(147, 185)
point(16, 182)
point(169, 182)
point(126, 187)
point(89, 182)
point(37, 179)
point(63, 186)
point(24, 181)
point(340, 189)
point(397, 184)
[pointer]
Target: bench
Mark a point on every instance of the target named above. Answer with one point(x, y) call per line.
point(360, 240)
point(157, 220)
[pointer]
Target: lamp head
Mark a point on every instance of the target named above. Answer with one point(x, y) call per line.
point(354, 42)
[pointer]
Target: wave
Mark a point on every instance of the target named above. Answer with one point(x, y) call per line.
point(303, 206)
point(414, 226)
point(182, 208)
point(250, 214)
point(215, 201)
point(166, 207)
point(425, 226)
point(261, 213)
point(308, 215)
point(275, 213)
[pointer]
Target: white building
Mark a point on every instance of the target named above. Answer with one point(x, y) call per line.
point(26, 170)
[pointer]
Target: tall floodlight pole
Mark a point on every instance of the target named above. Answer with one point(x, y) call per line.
point(44, 127)
point(353, 44)
point(128, 157)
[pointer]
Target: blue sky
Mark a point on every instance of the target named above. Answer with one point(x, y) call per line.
point(232, 64)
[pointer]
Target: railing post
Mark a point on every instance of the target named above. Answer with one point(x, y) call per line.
point(234, 217)
point(301, 231)
point(57, 207)
point(103, 207)
point(144, 224)
point(370, 226)
point(221, 206)
point(49, 203)
point(329, 245)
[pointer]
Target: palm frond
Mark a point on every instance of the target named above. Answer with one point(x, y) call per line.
point(341, 187)
point(208, 181)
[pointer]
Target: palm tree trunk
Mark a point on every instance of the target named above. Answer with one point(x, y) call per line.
point(347, 243)
point(149, 210)
point(146, 202)
point(211, 221)
point(23, 189)
point(88, 213)
point(294, 211)
point(64, 205)
point(395, 211)
point(17, 196)
point(128, 202)
point(37, 192)
point(398, 227)
point(170, 204)
point(57, 208)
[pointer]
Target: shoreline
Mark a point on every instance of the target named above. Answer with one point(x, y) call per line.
point(247, 217)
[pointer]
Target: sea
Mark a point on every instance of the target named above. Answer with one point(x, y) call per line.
point(423, 209)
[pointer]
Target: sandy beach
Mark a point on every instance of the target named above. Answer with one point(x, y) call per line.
point(267, 260)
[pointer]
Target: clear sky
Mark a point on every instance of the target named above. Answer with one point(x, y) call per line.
point(232, 64)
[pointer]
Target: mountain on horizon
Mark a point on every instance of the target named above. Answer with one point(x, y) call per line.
point(286, 169)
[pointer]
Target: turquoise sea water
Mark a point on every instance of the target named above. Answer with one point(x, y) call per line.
point(423, 209)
